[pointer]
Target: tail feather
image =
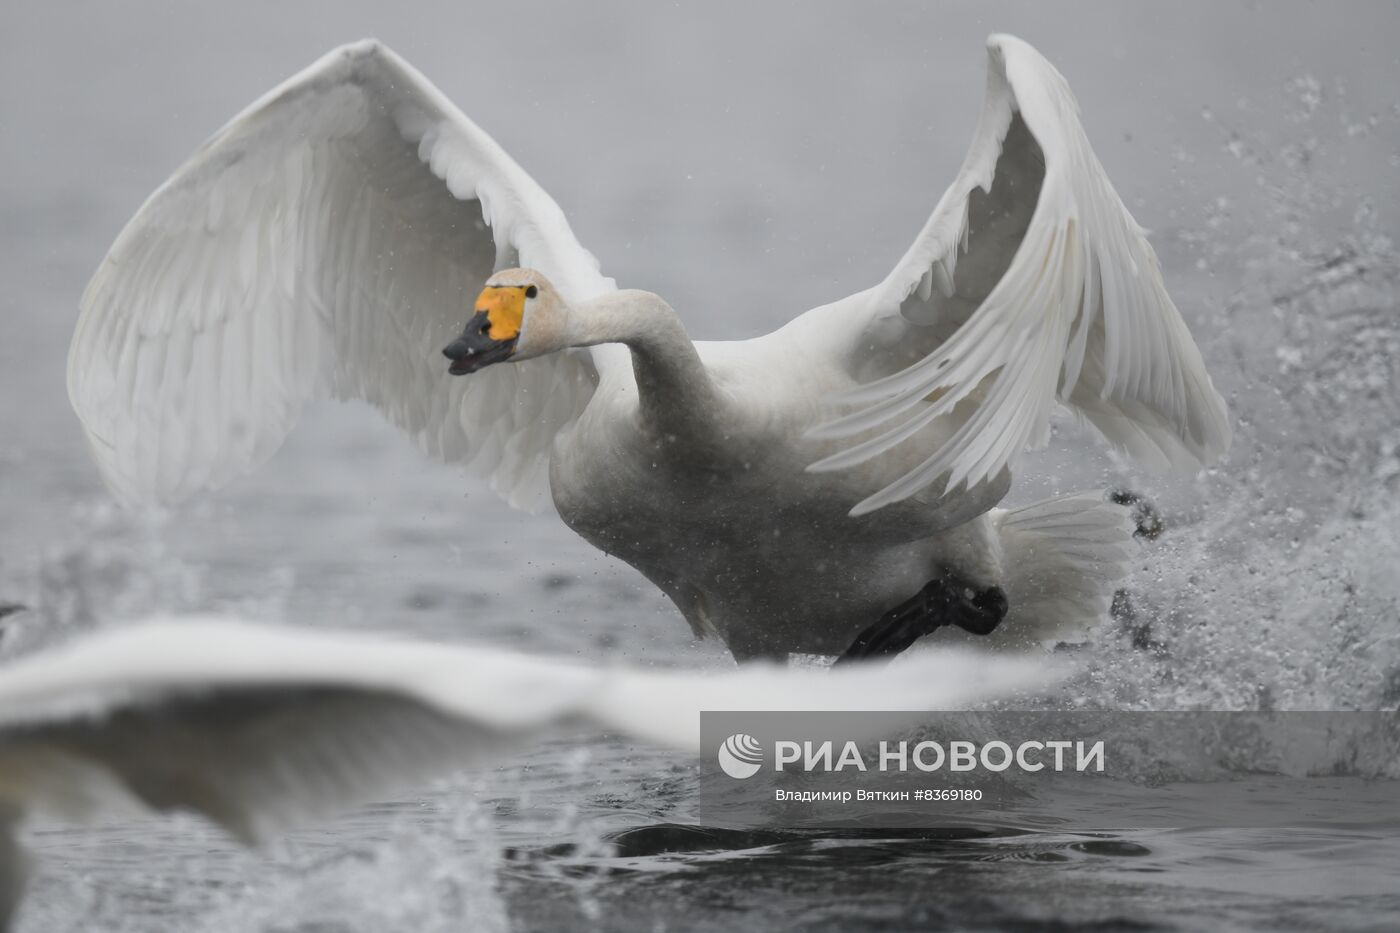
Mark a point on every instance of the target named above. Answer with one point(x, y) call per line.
point(1062, 559)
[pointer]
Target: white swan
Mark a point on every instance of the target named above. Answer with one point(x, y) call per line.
point(256, 727)
point(331, 239)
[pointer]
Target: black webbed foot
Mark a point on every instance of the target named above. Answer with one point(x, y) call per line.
point(1146, 517)
point(946, 601)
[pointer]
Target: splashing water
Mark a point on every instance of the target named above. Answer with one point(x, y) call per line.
point(1277, 590)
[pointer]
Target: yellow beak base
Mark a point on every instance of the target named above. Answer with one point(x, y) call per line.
point(504, 307)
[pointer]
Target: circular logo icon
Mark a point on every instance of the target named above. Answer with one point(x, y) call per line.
point(740, 756)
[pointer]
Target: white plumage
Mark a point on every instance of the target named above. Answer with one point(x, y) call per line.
point(258, 727)
point(1069, 553)
point(329, 241)
point(1069, 306)
point(324, 244)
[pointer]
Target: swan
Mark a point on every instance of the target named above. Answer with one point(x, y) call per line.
point(828, 488)
point(258, 727)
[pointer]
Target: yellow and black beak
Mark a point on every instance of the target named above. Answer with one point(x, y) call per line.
point(491, 334)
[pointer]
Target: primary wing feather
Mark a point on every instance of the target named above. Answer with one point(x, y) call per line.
point(1030, 284)
point(326, 243)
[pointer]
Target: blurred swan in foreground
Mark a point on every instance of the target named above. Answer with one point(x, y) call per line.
point(825, 488)
point(258, 727)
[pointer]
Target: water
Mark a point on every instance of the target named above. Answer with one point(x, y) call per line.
point(784, 154)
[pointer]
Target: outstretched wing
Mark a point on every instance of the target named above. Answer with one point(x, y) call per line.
point(1030, 283)
point(256, 726)
point(328, 242)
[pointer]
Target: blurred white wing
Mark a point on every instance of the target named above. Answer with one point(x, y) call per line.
point(328, 242)
point(257, 727)
point(1030, 283)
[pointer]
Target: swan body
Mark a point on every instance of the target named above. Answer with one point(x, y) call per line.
point(258, 727)
point(756, 550)
point(784, 491)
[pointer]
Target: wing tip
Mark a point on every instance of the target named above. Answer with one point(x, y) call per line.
point(368, 47)
point(352, 61)
point(1003, 45)
point(998, 42)
point(864, 507)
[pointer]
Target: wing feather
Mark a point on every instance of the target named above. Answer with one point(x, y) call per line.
point(325, 244)
point(1030, 284)
point(259, 726)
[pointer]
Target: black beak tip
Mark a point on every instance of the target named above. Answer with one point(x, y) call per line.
point(475, 349)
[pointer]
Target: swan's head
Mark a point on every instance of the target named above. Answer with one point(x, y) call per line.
point(518, 315)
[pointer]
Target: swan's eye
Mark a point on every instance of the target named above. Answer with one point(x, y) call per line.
point(531, 292)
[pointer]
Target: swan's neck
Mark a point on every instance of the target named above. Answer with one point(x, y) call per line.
point(675, 392)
